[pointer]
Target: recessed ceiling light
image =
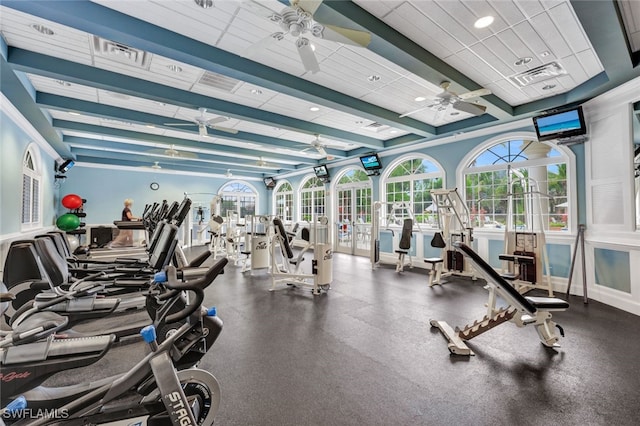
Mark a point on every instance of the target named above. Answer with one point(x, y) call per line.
point(63, 83)
point(545, 54)
point(256, 92)
point(150, 126)
point(549, 87)
point(205, 4)
point(373, 78)
point(484, 22)
point(420, 99)
point(393, 131)
point(522, 61)
point(42, 29)
point(159, 103)
point(314, 109)
point(174, 68)
point(74, 113)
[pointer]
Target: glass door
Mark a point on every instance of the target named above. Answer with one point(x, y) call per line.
point(353, 215)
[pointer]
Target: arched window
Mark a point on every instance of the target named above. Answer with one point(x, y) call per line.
point(518, 167)
point(312, 199)
point(31, 190)
point(411, 180)
point(238, 197)
point(283, 201)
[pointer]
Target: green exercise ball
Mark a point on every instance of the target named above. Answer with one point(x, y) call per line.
point(68, 222)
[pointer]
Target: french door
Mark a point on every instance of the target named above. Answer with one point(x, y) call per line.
point(353, 219)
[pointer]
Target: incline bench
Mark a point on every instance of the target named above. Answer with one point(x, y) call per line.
point(521, 310)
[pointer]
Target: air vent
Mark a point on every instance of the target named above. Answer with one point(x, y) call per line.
point(218, 81)
point(538, 74)
point(375, 127)
point(121, 53)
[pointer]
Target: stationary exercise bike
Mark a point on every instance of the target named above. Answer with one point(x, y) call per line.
point(163, 387)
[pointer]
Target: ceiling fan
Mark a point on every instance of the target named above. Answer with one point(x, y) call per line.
point(450, 100)
point(203, 123)
point(298, 22)
point(172, 152)
point(264, 163)
point(320, 148)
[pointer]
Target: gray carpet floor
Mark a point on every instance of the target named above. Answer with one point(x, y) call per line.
point(365, 354)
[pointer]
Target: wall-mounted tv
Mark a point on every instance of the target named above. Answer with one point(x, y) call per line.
point(371, 162)
point(66, 166)
point(322, 172)
point(270, 182)
point(559, 124)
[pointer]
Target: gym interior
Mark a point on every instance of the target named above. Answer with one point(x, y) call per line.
point(344, 212)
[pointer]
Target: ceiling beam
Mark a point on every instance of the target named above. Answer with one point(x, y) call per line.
point(395, 47)
point(227, 151)
point(19, 96)
point(87, 146)
point(96, 19)
point(267, 143)
point(197, 164)
point(60, 69)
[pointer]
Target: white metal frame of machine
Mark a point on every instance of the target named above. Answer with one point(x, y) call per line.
point(256, 243)
point(374, 254)
point(526, 248)
point(454, 221)
point(288, 272)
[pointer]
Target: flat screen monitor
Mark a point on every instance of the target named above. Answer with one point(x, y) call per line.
point(371, 162)
point(321, 171)
point(270, 182)
point(559, 124)
point(66, 166)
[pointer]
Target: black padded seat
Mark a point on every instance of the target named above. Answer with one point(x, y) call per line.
point(296, 261)
point(402, 251)
point(548, 303)
point(433, 260)
point(247, 253)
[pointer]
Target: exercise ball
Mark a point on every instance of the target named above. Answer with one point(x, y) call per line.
point(73, 243)
point(68, 222)
point(72, 201)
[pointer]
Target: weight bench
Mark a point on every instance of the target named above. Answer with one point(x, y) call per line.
point(521, 310)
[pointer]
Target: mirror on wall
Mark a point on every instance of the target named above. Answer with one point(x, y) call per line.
point(635, 119)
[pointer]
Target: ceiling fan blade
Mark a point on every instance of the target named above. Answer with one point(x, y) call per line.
point(263, 44)
point(345, 35)
point(470, 108)
point(214, 121)
point(224, 129)
point(415, 111)
point(309, 6)
point(475, 94)
point(180, 124)
point(307, 56)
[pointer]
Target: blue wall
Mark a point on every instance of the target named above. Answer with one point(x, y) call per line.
point(13, 145)
point(105, 190)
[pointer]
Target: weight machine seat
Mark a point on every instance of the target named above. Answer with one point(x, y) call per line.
point(433, 260)
point(529, 303)
point(246, 252)
point(548, 303)
point(402, 251)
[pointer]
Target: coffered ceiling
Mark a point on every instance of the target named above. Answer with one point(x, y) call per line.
point(213, 89)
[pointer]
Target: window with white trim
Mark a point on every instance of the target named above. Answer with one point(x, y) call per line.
point(411, 181)
point(31, 190)
point(518, 167)
point(312, 199)
point(283, 201)
point(238, 198)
